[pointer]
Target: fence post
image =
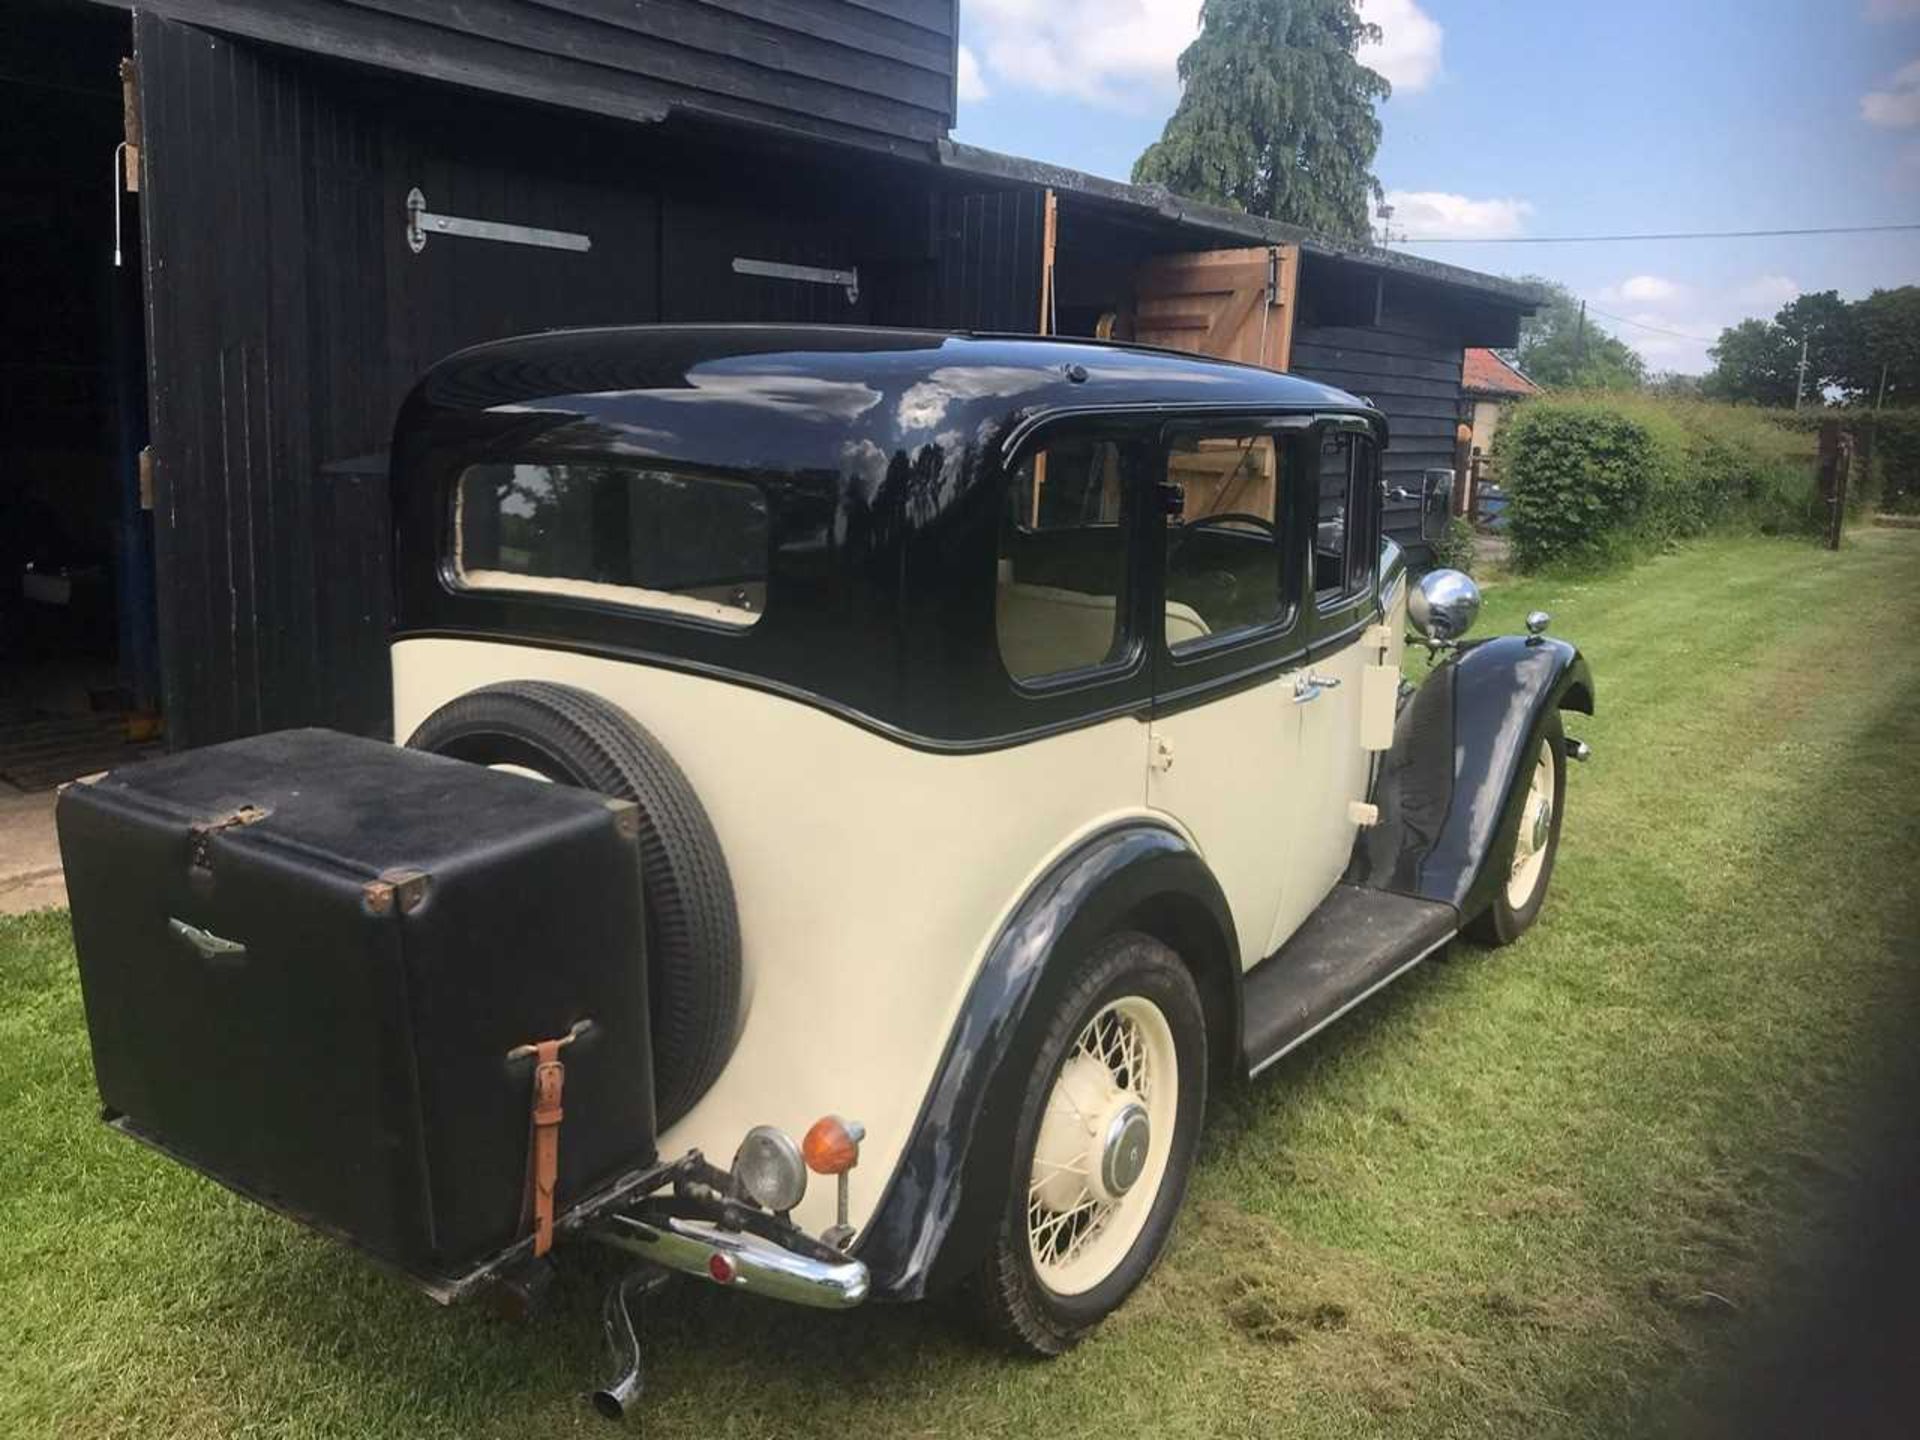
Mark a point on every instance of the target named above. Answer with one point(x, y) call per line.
point(1833, 480)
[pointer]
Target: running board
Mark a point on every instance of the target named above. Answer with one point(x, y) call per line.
point(1358, 941)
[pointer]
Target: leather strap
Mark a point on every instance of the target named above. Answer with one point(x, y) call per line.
point(543, 1139)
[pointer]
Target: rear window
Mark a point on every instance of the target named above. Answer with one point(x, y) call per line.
point(643, 536)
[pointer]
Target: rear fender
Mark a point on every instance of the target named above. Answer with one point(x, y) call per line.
point(939, 1211)
point(1450, 784)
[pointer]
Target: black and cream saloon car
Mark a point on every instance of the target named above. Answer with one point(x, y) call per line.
point(860, 791)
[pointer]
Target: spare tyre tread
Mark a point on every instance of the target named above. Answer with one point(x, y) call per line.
point(689, 893)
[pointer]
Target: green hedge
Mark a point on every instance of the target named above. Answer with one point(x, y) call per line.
point(1597, 476)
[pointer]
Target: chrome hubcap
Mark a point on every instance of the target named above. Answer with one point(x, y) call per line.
point(1124, 1155)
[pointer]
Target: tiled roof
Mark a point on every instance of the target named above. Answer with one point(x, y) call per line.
point(1485, 373)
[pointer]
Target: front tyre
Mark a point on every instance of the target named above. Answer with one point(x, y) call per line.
point(1109, 1125)
point(1527, 853)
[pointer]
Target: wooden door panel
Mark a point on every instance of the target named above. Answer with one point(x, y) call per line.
point(1234, 304)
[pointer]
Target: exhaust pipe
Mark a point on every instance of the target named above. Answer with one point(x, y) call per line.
point(1579, 750)
point(615, 1400)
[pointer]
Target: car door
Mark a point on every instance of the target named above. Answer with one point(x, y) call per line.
point(1224, 753)
point(1341, 607)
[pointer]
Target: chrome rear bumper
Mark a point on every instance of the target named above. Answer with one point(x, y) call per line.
point(753, 1263)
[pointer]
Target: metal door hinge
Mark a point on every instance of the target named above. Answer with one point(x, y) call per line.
point(848, 279)
point(1161, 755)
point(1363, 813)
point(1377, 637)
point(422, 222)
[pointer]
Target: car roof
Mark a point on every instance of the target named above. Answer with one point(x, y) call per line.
point(812, 373)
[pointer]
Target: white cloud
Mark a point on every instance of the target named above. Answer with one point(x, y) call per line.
point(1122, 53)
point(972, 85)
point(1649, 289)
point(1435, 213)
point(1767, 292)
point(1408, 52)
point(1899, 106)
point(1098, 50)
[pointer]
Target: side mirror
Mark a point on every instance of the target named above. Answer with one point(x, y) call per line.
point(1436, 502)
point(1444, 605)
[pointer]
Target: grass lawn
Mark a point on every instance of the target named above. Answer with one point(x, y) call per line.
point(1546, 1191)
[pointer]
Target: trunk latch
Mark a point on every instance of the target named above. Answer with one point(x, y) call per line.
point(200, 835)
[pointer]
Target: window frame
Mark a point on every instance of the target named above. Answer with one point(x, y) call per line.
point(1339, 618)
point(1134, 435)
point(1253, 653)
point(670, 606)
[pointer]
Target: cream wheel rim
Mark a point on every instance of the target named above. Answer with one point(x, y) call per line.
point(1103, 1145)
point(1536, 831)
point(507, 767)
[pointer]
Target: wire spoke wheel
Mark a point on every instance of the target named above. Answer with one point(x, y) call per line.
point(1536, 830)
point(1103, 1144)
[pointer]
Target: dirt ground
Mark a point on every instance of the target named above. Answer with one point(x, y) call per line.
point(29, 854)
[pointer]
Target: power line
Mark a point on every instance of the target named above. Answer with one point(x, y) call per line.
point(1642, 325)
point(1668, 235)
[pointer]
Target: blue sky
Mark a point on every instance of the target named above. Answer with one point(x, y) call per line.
point(1552, 118)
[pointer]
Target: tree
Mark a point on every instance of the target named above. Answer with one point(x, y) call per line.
point(1759, 360)
point(1829, 325)
point(1885, 344)
point(1276, 115)
point(1562, 348)
point(1755, 361)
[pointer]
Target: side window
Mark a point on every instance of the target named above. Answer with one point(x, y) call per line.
point(1343, 520)
point(1225, 554)
point(1060, 602)
point(629, 535)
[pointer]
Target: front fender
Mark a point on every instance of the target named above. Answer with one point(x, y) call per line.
point(1448, 787)
point(931, 1225)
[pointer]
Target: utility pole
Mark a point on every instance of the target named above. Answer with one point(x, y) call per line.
point(1580, 337)
point(1881, 399)
point(1800, 380)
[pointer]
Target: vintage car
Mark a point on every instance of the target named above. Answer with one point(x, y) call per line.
point(1006, 745)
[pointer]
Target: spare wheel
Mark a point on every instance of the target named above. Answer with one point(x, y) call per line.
point(571, 737)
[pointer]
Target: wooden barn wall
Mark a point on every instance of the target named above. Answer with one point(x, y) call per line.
point(287, 318)
point(877, 73)
point(1408, 365)
point(986, 267)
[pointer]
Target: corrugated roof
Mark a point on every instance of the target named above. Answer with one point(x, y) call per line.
point(1484, 373)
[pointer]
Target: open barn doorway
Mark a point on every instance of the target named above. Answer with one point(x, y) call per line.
point(78, 679)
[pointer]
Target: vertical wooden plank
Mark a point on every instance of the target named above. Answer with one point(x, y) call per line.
point(1049, 239)
point(1286, 305)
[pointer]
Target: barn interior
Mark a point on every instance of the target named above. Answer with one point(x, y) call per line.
point(77, 668)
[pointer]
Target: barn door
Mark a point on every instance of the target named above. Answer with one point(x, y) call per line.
point(1236, 304)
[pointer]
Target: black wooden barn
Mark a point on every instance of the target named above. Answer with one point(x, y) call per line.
point(285, 280)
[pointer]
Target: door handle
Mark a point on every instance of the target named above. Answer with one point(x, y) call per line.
point(1309, 686)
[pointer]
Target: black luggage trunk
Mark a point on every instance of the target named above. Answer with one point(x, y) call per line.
point(307, 956)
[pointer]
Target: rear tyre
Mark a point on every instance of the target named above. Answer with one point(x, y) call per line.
point(571, 737)
point(1526, 853)
point(1108, 1128)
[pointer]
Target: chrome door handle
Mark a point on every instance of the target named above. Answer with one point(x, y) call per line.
point(1308, 686)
